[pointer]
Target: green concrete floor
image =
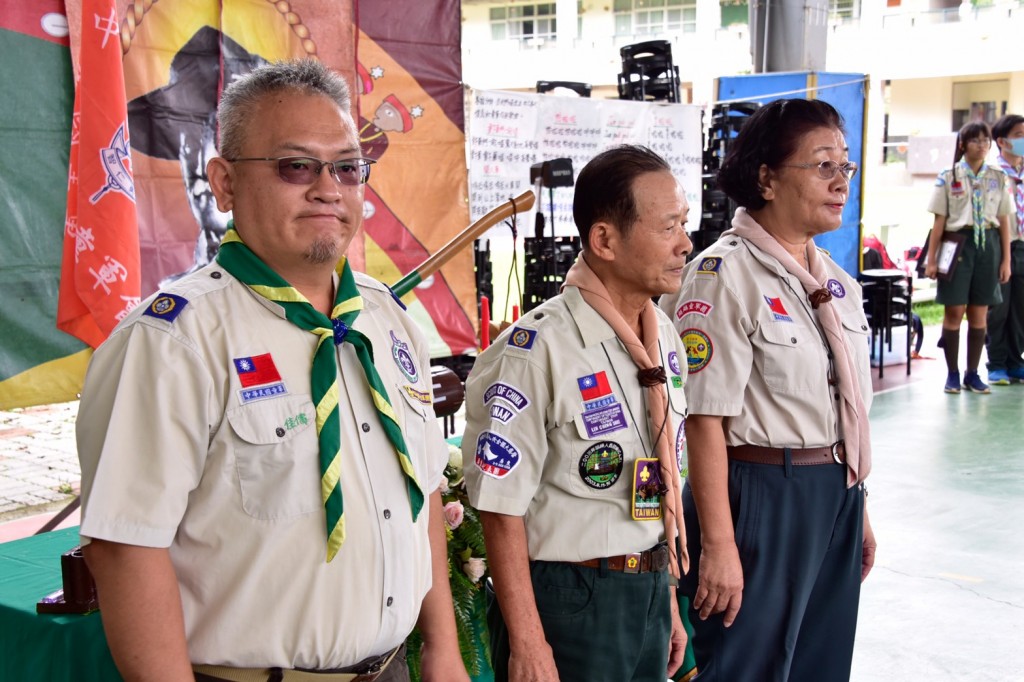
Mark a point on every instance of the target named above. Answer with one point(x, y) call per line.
point(946, 495)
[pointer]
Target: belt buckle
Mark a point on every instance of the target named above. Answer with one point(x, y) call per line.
point(632, 563)
point(835, 451)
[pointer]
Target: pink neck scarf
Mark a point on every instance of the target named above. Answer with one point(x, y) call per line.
point(853, 414)
point(652, 378)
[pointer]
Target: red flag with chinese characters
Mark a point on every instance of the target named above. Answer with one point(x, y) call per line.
point(99, 281)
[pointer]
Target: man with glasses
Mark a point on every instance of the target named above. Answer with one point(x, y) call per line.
point(260, 460)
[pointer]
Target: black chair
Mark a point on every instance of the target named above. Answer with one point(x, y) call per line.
point(887, 305)
point(648, 74)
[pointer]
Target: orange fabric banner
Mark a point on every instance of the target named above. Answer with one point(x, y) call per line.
point(100, 279)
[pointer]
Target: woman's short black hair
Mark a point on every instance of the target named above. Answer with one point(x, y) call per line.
point(769, 137)
point(604, 188)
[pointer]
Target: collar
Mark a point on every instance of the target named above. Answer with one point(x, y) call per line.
point(593, 328)
point(278, 310)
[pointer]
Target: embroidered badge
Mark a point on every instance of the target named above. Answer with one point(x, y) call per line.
point(940, 181)
point(259, 378)
point(594, 386)
point(419, 395)
point(501, 413)
point(601, 465)
point(778, 310)
point(510, 394)
point(677, 381)
point(709, 265)
point(166, 307)
point(680, 443)
point(836, 287)
point(400, 352)
point(698, 349)
point(696, 307)
point(495, 456)
point(647, 489)
point(673, 362)
point(604, 420)
point(522, 338)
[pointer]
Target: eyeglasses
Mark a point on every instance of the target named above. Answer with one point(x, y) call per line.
point(828, 169)
point(980, 142)
point(304, 170)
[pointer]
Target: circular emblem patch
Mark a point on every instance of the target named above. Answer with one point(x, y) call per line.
point(698, 349)
point(837, 289)
point(162, 305)
point(673, 362)
point(400, 352)
point(601, 465)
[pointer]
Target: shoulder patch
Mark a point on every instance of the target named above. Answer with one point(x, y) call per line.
point(166, 307)
point(496, 456)
point(699, 349)
point(694, 306)
point(522, 338)
point(710, 265)
point(940, 181)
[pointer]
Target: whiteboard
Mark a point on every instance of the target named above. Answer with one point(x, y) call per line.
point(510, 131)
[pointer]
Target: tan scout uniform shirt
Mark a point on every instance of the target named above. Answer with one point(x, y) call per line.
point(957, 206)
point(757, 355)
point(556, 417)
point(181, 448)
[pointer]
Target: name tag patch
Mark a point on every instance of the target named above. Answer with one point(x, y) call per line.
point(604, 420)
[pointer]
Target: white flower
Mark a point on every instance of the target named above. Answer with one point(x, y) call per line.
point(475, 568)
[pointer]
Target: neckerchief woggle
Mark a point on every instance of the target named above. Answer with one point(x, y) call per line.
point(235, 257)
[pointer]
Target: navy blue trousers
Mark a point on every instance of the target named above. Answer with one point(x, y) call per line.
point(799, 533)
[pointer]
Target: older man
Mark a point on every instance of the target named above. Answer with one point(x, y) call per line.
point(574, 441)
point(260, 499)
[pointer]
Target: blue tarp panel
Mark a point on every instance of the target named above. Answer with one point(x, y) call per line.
point(846, 92)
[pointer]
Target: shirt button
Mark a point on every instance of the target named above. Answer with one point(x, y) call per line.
point(279, 432)
point(387, 513)
point(366, 427)
point(538, 316)
point(732, 243)
point(391, 600)
point(792, 339)
point(863, 327)
point(216, 274)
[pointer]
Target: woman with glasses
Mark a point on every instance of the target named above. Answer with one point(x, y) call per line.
point(779, 389)
point(969, 250)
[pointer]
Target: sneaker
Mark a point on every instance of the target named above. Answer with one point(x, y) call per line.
point(998, 377)
point(1016, 374)
point(974, 384)
point(953, 382)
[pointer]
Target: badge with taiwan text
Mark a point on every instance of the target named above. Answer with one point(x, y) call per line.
point(647, 490)
point(400, 352)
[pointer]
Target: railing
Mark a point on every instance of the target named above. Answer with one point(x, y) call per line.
point(964, 13)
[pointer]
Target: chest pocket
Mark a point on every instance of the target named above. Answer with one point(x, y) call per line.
point(789, 362)
point(277, 457)
point(855, 325)
point(959, 206)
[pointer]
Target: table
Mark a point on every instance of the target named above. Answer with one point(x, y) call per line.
point(886, 309)
point(55, 648)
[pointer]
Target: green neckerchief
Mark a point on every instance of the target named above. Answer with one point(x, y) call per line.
point(235, 257)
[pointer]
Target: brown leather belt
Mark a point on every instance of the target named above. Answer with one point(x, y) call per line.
point(830, 454)
point(648, 561)
point(364, 671)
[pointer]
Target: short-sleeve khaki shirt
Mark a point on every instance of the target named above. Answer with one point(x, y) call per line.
point(197, 432)
point(556, 420)
point(756, 352)
point(951, 197)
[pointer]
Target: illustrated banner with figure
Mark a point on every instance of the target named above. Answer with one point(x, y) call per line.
point(178, 55)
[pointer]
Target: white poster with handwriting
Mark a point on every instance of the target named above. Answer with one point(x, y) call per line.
point(511, 131)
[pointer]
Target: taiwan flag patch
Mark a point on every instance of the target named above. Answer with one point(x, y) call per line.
point(594, 386)
point(778, 310)
point(257, 370)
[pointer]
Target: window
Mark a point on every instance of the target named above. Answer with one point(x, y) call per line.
point(735, 12)
point(654, 17)
point(523, 22)
point(841, 11)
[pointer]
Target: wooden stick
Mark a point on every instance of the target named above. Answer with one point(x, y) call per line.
point(523, 202)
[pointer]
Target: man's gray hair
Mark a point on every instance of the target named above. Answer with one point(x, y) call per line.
point(305, 76)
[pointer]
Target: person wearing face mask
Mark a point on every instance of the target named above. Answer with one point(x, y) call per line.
point(972, 200)
point(779, 389)
point(1006, 320)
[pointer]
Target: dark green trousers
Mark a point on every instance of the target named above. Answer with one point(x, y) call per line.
point(1006, 319)
point(603, 626)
